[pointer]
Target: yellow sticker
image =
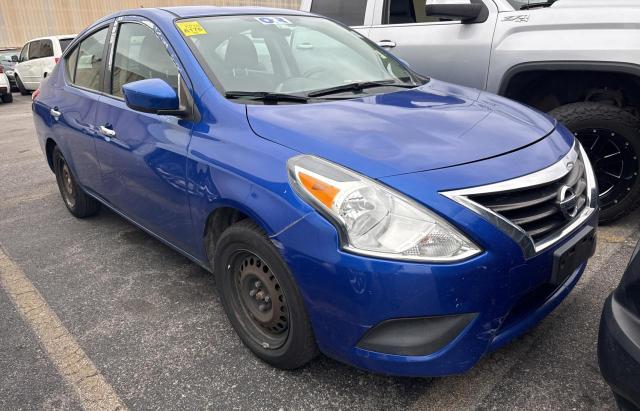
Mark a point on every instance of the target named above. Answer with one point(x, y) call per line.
point(191, 28)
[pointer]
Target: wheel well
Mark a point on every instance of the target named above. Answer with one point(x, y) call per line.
point(218, 221)
point(548, 89)
point(49, 146)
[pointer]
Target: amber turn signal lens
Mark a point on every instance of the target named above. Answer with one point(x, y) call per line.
point(321, 191)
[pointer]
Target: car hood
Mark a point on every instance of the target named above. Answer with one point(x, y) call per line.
point(434, 126)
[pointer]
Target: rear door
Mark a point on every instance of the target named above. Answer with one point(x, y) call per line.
point(143, 156)
point(73, 107)
point(447, 50)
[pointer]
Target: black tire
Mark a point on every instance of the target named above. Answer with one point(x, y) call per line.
point(242, 250)
point(77, 201)
point(7, 98)
point(611, 138)
point(21, 87)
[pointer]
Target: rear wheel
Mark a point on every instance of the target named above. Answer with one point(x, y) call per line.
point(7, 98)
point(77, 201)
point(611, 139)
point(261, 298)
point(21, 87)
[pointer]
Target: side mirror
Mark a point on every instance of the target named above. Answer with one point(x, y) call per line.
point(14, 58)
point(465, 12)
point(153, 96)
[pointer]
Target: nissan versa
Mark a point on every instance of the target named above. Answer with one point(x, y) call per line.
point(345, 204)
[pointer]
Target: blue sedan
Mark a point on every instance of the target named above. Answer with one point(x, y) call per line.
point(345, 204)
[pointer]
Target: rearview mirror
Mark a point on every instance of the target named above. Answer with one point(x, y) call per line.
point(152, 96)
point(465, 12)
point(14, 58)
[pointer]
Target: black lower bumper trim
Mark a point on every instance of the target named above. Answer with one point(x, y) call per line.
point(415, 336)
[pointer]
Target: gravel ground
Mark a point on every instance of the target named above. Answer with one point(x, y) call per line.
point(151, 322)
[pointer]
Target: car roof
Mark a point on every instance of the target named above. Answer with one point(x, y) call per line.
point(198, 11)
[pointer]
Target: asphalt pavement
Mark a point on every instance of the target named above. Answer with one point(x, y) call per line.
point(151, 324)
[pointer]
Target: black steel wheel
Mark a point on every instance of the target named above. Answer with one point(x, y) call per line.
point(261, 298)
point(77, 201)
point(611, 139)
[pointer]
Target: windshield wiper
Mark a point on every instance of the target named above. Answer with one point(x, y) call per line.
point(359, 86)
point(266, 97)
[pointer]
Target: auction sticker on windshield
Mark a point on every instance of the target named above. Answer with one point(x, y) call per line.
point(191, 28)
point(273, 20)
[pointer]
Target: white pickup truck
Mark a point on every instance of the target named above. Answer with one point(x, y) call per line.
point(579, 60)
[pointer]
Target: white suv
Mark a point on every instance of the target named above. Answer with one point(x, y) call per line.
point(37, 59)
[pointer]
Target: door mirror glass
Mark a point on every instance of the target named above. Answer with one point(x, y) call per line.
point(14, 58)
point(154, 96)
point(465, 12)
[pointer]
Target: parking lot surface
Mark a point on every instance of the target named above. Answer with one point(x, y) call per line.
point(151, 323)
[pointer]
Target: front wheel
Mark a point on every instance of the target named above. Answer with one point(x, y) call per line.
point(261, 298)
point(611, 138)
point(7, 98)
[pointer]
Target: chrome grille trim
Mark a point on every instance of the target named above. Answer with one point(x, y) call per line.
point(551, 174)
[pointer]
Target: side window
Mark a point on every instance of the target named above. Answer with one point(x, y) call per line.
point(35, 49)
point(349, 12)
point(412, 11)
point(87, 61)
point(46, 48)
point(24, 54)
point(140, 55)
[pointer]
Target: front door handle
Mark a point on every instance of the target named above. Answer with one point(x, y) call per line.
point(388, 44)
point(55, 113)
point(108, 132)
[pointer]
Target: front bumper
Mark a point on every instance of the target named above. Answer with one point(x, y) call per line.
point(346, 295)
point(619, 350)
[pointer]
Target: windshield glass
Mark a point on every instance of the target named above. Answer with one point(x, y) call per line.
point(5, 56)
point(287, 54)
point(530, 4)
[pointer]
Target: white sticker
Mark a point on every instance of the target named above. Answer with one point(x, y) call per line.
point(272, 20)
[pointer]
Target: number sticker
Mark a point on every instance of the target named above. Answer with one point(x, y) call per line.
point(273, 20)
point(191, 28)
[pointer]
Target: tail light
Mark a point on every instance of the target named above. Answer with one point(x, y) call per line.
point(57, 59)
point(35, 94)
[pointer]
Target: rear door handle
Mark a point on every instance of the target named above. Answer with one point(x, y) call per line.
point(108, 132)
point(388, 44)
point(55, 113)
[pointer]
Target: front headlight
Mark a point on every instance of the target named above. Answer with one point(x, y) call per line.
point(375, 220)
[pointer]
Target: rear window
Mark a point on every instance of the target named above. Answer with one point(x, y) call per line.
point(349, 12)
point(64, 43)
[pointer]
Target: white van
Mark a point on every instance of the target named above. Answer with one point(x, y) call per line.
point(37, 58)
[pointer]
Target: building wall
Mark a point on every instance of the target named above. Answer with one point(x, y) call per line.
point(22, 20)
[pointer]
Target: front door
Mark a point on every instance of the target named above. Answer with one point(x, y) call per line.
point(446, 50)
point(143, 156)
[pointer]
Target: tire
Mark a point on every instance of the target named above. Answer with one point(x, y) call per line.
point(21, 87)
point(611, 138)
point(7, 98)
point(77, 201)
point(281, 335)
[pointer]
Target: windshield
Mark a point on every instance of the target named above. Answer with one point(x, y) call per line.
point(5, 56)
point(287, 54)
point(530, 4)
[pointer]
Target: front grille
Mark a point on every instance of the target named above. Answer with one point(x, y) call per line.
point(537, 209)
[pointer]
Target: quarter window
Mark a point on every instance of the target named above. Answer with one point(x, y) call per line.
point(140, 55)
point(84, 64)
